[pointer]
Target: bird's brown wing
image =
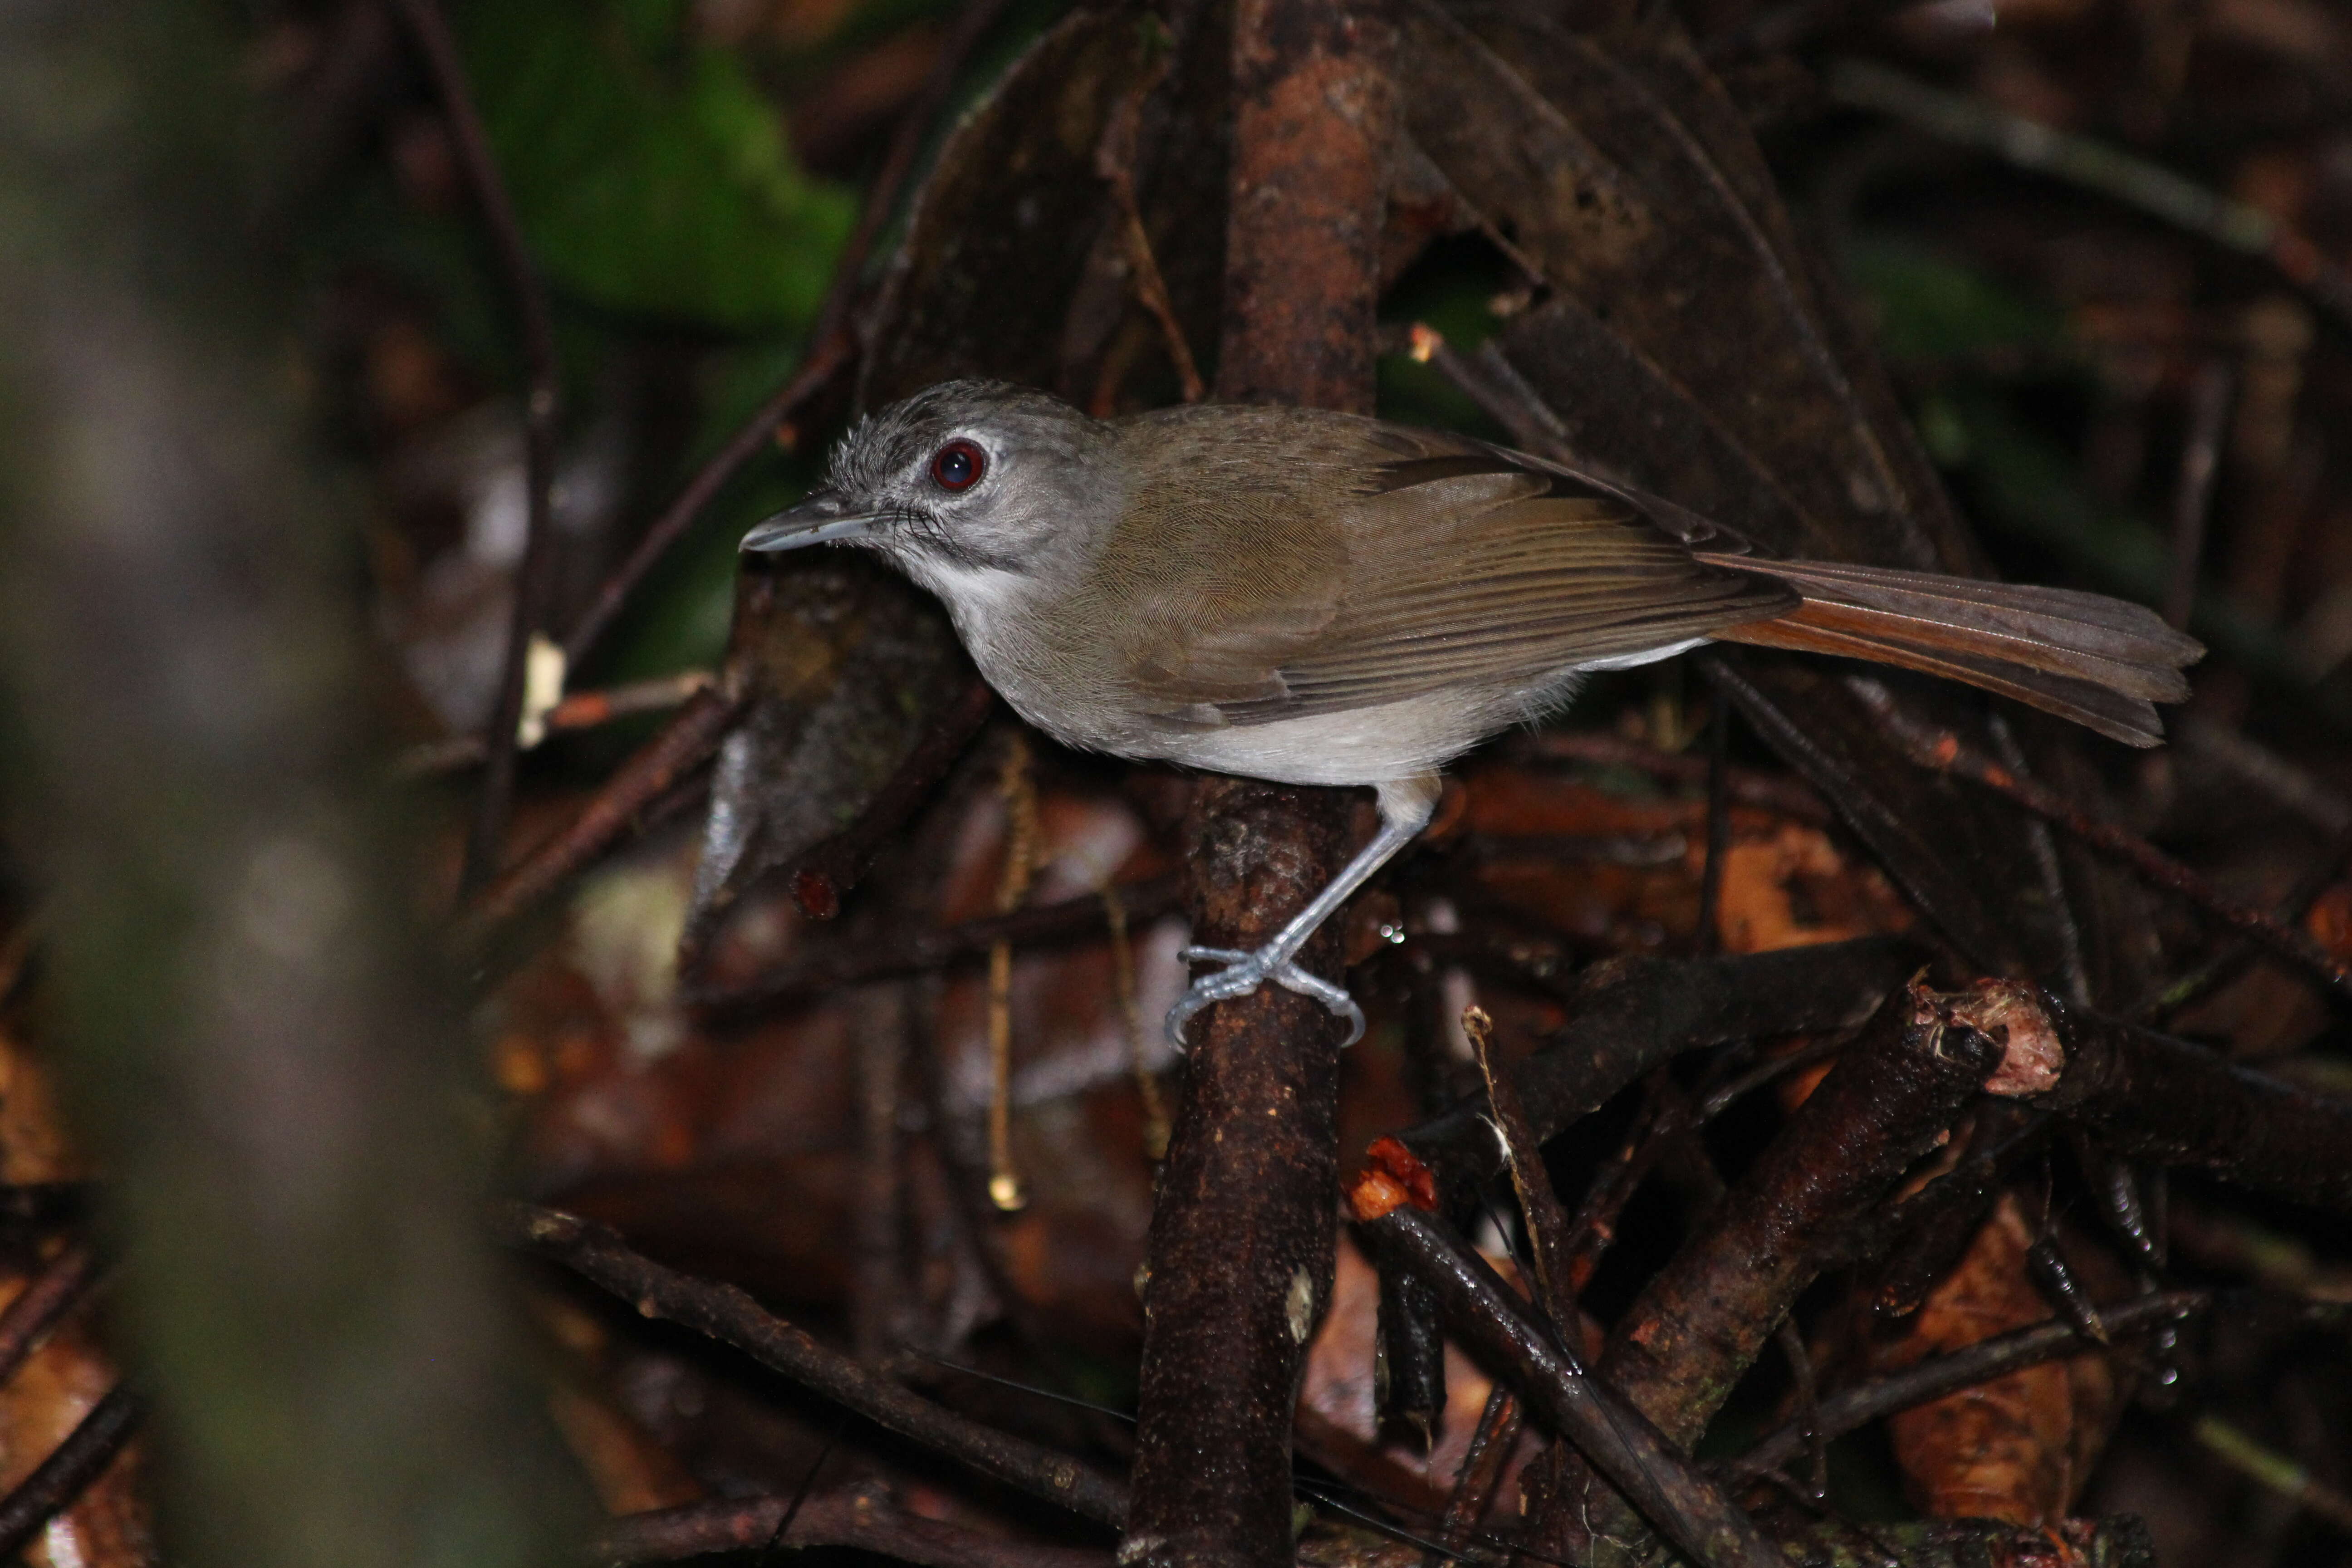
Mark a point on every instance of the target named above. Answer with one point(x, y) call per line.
point(1437, 564)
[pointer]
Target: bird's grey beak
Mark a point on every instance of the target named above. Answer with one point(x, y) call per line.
point(820, 520)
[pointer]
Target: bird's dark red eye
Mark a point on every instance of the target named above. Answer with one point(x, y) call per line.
point(959, 465)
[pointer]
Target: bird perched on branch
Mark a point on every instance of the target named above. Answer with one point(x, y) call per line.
point(1321, 598)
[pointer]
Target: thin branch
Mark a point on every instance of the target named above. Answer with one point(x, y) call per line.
point(924, 952)
point(534, 581)
point(1700, 1321)
point(682, 746)
point(1778, 793)
point(1523, 1154)
point(2301, 793)
point(1115, 162)
point(1614, 1184)
point(825, 359)
point(2273, 1469)
point(833, 341)
point(1940, 1375)
point(2094, 165)
point(54, 1291)
point(578, 711)
point(727, 1314)
point(1494, 383)
point(1685, 1505)
point(1792, 1340)
point(1483, 1462)
point(864, 1518)
point(2165, 1102)
point(69, 1469)
point(2321, 873)
point(1632, 1015)
point(1946, 752)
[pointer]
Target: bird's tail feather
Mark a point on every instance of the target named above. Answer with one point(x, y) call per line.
point(2101, 662)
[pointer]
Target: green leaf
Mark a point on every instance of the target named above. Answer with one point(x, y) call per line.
point(649, 173)
point(1930, 307)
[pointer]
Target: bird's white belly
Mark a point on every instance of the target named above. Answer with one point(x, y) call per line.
point(1361, 746)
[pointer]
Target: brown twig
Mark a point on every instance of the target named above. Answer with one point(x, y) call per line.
point(1494, 383)
point(832, 341)
point(1816, 1441)
point(1701, 1320)
point(1633, 1015)
point(859, 1519)
point(1856, 1407)
point(2165, 1102)
point(56, 1291)
point(70, 1467)
point(1523, 1154)
point(727, 1314)
point(2097, 166)
point(1482, 1463)
point(854, 964)
point(1594, 1230)
point(1945, 751)
point(1410, 1347)
point(579, 711)
point(2324, 872)
point(2273, 1469)
point(1688, 1508)
point(1115, 162)
point(1411, 1353)
point(684, 744)
point(1788, 796)
point(828, 355)
point(863, 1519)
point(534, 581)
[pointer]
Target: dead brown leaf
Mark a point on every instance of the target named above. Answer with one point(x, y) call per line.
point(2018, 1447)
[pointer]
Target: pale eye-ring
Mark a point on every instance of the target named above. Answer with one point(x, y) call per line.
point(958, 465)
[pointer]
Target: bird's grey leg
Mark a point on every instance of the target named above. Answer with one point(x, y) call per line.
point(1405, 808)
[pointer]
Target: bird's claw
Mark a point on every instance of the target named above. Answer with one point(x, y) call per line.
point(1244, 972)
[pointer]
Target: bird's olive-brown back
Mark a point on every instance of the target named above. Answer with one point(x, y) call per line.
point(1273, 563)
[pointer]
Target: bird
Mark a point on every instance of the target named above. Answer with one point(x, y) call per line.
point(1314, 597)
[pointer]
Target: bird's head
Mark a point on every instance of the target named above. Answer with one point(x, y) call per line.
point(962, 484)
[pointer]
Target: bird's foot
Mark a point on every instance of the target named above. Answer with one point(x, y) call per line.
point(1244, 972)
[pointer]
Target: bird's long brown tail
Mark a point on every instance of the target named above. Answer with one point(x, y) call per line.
point(2099, 661)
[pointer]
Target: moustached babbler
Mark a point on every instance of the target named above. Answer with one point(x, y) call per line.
point(1322, 598)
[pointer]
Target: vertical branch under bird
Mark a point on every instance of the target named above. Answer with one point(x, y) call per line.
point(1241, 1255)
